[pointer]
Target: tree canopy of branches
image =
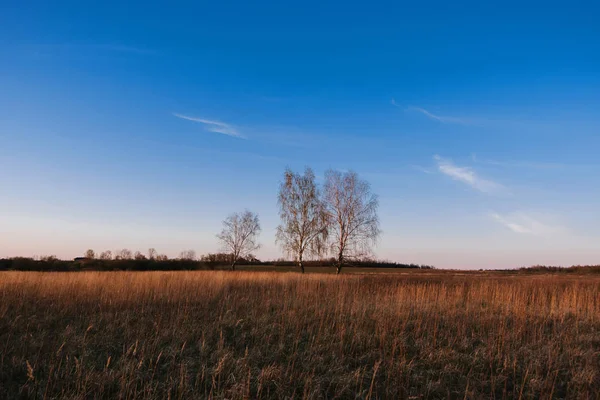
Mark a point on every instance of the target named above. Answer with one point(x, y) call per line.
point(239, 235)
point(352, 209)
point(187, 255)
point(123, 254)
point(303, 228)
point(152, 254)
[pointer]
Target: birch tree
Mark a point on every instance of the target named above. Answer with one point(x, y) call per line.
point(352, 208)
point(239, 236)
point(303, 228)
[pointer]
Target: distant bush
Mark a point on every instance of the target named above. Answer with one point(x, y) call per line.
point(331, 262)
point(88, 264)
point(575, 269)
point(139, 262)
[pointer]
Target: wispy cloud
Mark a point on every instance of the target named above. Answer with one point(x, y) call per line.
point(530, 164)
point(468, 176)
point(533, 165)
point(525, 224)
point(439, 118)
point(126, 49)
point(271, 99)
point(422, 169)
point(443, 119)
point(213, 126)
point(86, 49)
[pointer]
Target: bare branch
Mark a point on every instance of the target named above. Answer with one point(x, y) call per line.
point(303, 228)
point(352, 210)
point(239, 235)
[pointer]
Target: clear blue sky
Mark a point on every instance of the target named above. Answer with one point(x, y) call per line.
point(144, 125)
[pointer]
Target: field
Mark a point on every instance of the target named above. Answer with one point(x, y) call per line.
point(220, 334)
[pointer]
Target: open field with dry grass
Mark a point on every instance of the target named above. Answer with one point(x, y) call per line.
point(205, 334)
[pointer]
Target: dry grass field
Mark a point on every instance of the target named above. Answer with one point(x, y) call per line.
point(160, 335)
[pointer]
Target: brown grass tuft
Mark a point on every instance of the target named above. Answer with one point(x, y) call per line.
point(244, 335)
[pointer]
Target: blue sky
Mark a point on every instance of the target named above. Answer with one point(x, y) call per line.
point(143, 125)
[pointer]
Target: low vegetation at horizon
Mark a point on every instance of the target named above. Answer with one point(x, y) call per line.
point(338, 220)
point(217, 334)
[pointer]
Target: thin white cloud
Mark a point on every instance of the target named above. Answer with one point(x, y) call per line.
point(534, 165)
point(525, 224)
point(213, 126)
point(422, 169)
point(126, 49)
point(468, 176)
point(442, 119)
point(530, 165)
point(439, 118)
point(88, 48)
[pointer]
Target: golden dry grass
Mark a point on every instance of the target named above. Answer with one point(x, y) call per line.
point(160, 335)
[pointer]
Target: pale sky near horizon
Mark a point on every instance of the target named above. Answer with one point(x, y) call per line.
point(141, 125)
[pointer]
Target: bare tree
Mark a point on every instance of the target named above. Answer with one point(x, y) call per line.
point(352, 207)
point(106, 255)
point(152, 253)
point(90, 254)
point(123, 254)
point(303, 228)
point(139, 256)
point(239, 235)
point(187, 255)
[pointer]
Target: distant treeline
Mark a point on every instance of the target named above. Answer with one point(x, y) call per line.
point(575, 269)
point(358, 264)
point(206, 262)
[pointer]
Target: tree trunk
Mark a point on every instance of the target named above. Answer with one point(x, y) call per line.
point(340, 260)
point(233, 265)
point(300, 264)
